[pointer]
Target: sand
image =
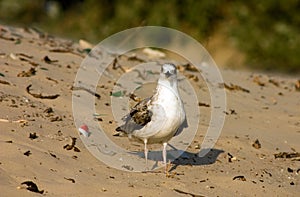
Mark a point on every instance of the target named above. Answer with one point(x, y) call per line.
point(266, 108)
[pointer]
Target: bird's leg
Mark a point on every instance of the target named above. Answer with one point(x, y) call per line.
point(165, 155)
point(146, 152)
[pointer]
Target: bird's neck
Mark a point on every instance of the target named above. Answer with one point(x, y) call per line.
point(168, 84)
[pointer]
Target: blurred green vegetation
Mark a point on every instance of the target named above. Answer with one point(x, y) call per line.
point(266, 31)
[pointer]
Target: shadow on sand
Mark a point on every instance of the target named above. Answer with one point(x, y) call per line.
point(193, 159)
point(181, 158)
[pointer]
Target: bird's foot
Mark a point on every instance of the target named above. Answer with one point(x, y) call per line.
point(167, 168)
point(147, 169)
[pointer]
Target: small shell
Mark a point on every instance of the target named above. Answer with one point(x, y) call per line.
point(84, 130)
point(13, 56)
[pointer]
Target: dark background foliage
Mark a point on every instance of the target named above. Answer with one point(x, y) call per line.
point(266, 32)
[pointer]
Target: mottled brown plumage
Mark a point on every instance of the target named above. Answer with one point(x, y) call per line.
point(138, 117)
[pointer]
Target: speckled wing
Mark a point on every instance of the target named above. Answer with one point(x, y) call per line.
point(138, 117)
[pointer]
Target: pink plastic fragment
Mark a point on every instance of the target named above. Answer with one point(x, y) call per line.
point(84, 130)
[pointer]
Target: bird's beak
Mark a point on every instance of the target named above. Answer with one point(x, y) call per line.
point(168, 74)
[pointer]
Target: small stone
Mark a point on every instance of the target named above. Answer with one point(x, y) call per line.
point(256, 144)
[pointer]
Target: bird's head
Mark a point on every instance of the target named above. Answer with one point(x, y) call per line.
point(168, 70)
point(168, 75)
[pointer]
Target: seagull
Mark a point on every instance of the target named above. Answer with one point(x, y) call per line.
point(160, 117)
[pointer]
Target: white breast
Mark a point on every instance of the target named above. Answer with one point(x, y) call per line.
point(168, 115)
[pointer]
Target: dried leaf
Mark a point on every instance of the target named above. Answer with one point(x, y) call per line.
point(274, 82)
point(27, 153)
point(53, 155)
point(72, 145)
point(297, 85)
point(31, 186)
point(258, 81)
point(50, 79)
point(70, 179)
point(240, 177)
point(68, 147)
point(4, 82)
point(76, 149)
point(7, 38)
point(48, 110)
point(134, 57)
point(287, 155)
point(203, 104)
point(231, 112)
point(28, 73)
point(190, 67)
point(48, 60)
point(128, 167)
point(40, 95)
point(56, 118)
point(231, 158)
point(233, 87)
point(187, 193)
point(33, 136)
point(25, 55)
point(193, 77)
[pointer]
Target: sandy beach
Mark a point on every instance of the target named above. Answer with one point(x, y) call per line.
point(257, 153)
